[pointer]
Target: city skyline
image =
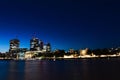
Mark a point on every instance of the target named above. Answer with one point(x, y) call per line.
point(65, 24)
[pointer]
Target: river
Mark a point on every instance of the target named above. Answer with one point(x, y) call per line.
point(71, 69)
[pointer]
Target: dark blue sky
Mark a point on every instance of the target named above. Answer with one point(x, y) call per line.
point(64, 23)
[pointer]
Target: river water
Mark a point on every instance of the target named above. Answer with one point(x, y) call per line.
point(72, 69)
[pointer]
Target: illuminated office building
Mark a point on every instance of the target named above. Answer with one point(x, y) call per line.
point(14, 45)
point(34, 44)
point(38, 45)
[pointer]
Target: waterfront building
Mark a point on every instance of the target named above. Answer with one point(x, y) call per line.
point(31, 54)
point(83, 52)
point(71, 51)
point(38, 45)
point(14, 45)
point(34, 44)
point(21, 53)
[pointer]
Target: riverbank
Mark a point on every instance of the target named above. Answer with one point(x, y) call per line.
point(65, 57)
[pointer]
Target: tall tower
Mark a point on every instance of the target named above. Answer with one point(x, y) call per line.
point(14, 45)
point(34, 44)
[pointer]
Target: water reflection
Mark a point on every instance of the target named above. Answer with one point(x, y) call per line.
point(4, 67)
point(32, 70)
point(60, 70)
point(85, 69)
point(16, 70)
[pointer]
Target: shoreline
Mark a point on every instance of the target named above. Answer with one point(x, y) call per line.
point(62, 58)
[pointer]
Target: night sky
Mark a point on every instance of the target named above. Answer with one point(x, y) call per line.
point(64, 23)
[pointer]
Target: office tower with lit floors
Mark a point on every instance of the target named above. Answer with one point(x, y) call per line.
point(14, 47)
point(34, 44)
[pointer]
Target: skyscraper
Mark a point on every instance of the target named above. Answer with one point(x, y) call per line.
point(14, 48)
point(14, 45)
point(34, 44)
point(38, 45)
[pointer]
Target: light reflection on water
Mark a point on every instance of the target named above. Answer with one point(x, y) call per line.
point(78, 69)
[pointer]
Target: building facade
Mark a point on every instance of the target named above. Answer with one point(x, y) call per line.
point(14, 48)
point(14, 45)
point(34, 44)
point(38, 45)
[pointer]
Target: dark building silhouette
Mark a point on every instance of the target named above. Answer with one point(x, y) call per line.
point(48, 47)
point(41, 44)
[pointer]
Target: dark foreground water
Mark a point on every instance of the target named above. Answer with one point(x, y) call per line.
point(78, 69)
